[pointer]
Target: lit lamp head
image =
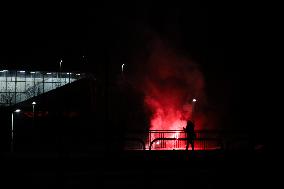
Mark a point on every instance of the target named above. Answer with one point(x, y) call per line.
point(34, 103)
point(122, 67)
point(194, 100)
point(17, 110)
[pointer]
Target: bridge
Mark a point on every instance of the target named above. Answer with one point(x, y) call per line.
point(19, 85)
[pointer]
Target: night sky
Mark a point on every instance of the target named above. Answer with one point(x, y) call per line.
point(218, 36)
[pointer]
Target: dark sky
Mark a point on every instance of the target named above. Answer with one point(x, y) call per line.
point(40, 35)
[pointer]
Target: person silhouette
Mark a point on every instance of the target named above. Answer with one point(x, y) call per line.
point(189, 130)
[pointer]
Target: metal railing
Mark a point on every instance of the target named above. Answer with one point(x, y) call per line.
point(177, 140)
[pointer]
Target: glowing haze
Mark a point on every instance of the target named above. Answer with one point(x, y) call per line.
point(170, 82)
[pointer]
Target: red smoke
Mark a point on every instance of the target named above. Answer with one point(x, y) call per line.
point(170, 82)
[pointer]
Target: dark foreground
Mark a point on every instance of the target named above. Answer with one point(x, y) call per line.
point(138, 169)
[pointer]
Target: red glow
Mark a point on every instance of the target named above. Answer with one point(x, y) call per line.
point(171, 85)
point(173, 88)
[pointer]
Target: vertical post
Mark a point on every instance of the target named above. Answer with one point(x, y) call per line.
point(60, 72)
point(150, 137)
point(60, 65)
point(12, 129)
point(34, 103)
point(42, 83)
point(12, 133)
point(33, 110)
point(192, 109)
point(122, 70)
point(7, 97)
point(15, 86)
point(25, 81)
point(34, 87)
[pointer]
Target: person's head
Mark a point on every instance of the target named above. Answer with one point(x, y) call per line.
point(189, 122)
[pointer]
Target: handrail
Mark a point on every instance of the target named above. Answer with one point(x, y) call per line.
point(156, 139)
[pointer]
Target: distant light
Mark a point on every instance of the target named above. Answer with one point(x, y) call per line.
point(4, 70)
point(17, 110)
point(32, 72)
point(122, 67)
point(68, 73)
point(176, 136)
point(78, 74)
point(158, 142)
point(48, 73)
point(194, 100)
point(34, 103)
point(22, 71)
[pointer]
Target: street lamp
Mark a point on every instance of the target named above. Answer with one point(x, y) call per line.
point(34, 103)
point(122, 67)
point(60, 63)
point(12, 129)
point(192, 108)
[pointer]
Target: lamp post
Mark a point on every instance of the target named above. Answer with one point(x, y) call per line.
point(60, 63)
point(12, 129)
point(122, 67)
point(192, 109)
point(34, 103)
point(122, 71)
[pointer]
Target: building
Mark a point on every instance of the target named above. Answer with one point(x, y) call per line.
point(17, 86)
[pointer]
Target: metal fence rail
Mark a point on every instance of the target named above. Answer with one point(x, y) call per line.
point(177, 139)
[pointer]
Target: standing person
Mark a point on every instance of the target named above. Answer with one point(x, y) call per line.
point(190, 134)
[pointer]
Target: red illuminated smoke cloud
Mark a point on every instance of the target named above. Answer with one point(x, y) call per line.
point(169, 82)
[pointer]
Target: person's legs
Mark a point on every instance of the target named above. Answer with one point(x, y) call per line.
point(192, 145)
point(187, 144)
